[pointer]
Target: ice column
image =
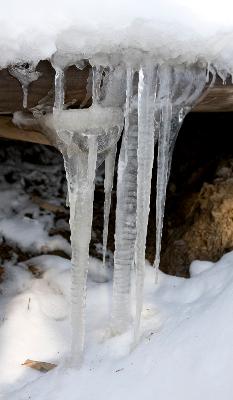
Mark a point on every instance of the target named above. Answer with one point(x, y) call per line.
point(125, 212)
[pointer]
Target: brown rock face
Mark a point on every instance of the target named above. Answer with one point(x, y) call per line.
point(207, 232)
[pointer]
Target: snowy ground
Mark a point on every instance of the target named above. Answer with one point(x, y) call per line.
point(186, 346)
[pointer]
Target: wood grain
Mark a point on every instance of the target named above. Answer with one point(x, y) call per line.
point(218, 99)
point(11, 96)
point(9, 131)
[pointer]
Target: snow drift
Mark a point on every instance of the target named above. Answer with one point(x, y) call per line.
point(186, 350)
point(170, 29)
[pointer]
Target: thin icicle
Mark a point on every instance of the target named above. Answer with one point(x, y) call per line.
point(59, 97)
point(25, 95)
point(146, 139)
point(108, 184)
point(67, 199)
point(26, 74)
point(97, 72)
point(163, 166)
point(125, 214)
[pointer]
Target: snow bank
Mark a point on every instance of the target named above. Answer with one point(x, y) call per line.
point(29, 234)
point(185, 351)
point(167, 28)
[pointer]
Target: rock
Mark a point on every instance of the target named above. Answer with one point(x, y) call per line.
point(207, 232)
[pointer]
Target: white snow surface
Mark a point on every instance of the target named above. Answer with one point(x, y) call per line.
point(187, 29)
point(185, 350)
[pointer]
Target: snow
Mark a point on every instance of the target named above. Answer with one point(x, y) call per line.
point(30, 235)
point(168, 28)
point(172, 321)
point(185, 349)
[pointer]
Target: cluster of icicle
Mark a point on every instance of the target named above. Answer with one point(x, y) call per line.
point(150, 101)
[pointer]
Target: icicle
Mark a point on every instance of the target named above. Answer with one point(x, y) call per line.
point(146, 139)
point(179, 89)
point(25, 73)
point(25, 95)
point(208, 73)
point(67, 199)
point(59, 97)
point(125, 214)
point(81, 212)
point(108, 184)
point(97, 72)
point(88, 95)
point(80, 171)
point(163, 167)
point(82, 134)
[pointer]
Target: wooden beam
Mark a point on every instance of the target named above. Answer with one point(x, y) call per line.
point(9, 131)
point(11, 95)
point(219, 98)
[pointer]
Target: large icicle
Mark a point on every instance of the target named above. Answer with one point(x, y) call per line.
point(80, 169)
point(179, 89)
point(81, 136)
point(125, 213)
point(146, 140)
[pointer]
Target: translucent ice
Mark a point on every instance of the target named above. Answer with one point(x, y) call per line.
point(82, 136)
point(108, 184)
point(146, 141)
point(179, 88)
point(156, 97)
point(125, 213)
point(25, 73)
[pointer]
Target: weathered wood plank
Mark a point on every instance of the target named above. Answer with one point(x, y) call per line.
point(219, 98)
point(9, 131)
point(11, 96)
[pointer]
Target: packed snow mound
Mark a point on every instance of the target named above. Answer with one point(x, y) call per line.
point(167, 28)
point(185, 349)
